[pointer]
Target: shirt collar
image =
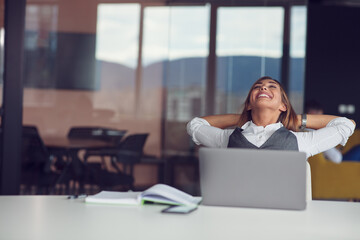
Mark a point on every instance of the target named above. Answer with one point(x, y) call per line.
point(250, 127)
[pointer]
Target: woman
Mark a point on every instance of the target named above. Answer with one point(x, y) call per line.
point(268, 121)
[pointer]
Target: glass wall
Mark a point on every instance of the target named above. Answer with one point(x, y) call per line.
point(59, 67)
point(117, 46)
point(175, 60)
point(249, 45)
point(173, 65)
point(2, 11)
point(143, 67)
point(297, 57)
point(40, 45)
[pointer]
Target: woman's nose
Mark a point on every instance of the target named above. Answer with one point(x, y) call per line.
point(263, 87)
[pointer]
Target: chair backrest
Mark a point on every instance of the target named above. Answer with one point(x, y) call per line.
point(131, 148)
point(134, 142)
point(31, 137)
point(34, 149)
point(308, 183)
point(352, 141)
point(99, 133)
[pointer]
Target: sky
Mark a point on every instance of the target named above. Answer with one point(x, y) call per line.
point(178, 32)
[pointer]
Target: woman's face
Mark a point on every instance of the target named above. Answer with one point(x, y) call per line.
point(266, 94)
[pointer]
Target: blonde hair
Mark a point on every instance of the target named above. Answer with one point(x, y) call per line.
point(288, 118)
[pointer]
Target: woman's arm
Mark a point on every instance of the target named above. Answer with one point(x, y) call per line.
point(336, 131)
point(223, 121)
point(203, 133)
point(318, 121)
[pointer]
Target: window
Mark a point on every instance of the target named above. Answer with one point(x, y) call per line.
point(175, 59)
point(176, 54)
point(249, 45)
point(117, 45)
point(297, 57)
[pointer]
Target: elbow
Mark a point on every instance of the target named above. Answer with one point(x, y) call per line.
point(189, 128)
point(353, 122)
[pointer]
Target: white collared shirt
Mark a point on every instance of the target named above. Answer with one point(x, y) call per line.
point(337, 131)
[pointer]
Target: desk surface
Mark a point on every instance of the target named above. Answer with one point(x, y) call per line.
point(56, 217)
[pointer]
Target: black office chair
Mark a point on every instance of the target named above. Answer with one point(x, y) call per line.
point(129, 152)
point(89, 173)
point(37, 164)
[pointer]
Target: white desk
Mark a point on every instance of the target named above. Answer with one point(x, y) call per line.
point(55, 217)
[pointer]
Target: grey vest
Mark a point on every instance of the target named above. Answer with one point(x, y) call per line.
point(281, 139)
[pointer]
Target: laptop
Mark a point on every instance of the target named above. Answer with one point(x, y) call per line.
point(253, 178)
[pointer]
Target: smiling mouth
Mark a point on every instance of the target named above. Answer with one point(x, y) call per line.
point(263, 95)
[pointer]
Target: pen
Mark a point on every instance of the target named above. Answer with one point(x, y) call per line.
point(81, 196)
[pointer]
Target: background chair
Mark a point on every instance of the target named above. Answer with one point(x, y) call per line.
point(89, 173)
point(352, 141)
point(37, 164)
point(127, 153)
point(336, 181)
point(109, 135)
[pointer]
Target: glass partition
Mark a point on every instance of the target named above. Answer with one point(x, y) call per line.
point(117, 46)
point(142, 67)
point(2, 11)
point(297, 57)
point(249, 45)
point(175, 59)
point(78, 76)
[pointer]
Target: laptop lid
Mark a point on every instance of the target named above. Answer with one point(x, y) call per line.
point(253, 178)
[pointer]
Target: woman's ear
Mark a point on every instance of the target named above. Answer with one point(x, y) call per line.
point(283, 107)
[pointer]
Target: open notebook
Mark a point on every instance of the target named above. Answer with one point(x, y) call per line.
point(159, 193)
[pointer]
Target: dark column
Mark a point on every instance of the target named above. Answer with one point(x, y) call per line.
point(332, 57)
point(12, 97)
point(211, 66)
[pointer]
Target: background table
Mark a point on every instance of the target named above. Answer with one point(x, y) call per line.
point(56, 217)
point(69, 148)
point(77, 144)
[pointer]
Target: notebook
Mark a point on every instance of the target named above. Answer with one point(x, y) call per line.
point(253, 178)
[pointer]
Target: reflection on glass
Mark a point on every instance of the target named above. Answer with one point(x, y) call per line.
point(169, 40)
point(156, 35)
point(155, 55)
point(40, 52)
point(297, 57)
point(1, 62)
point(2, 13)
point(249, 45)
point(40, 46)
point(54, 57)
point(175, 58)
point(118, 33)
point(116, 54)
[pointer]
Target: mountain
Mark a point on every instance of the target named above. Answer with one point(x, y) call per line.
point(234, 73)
